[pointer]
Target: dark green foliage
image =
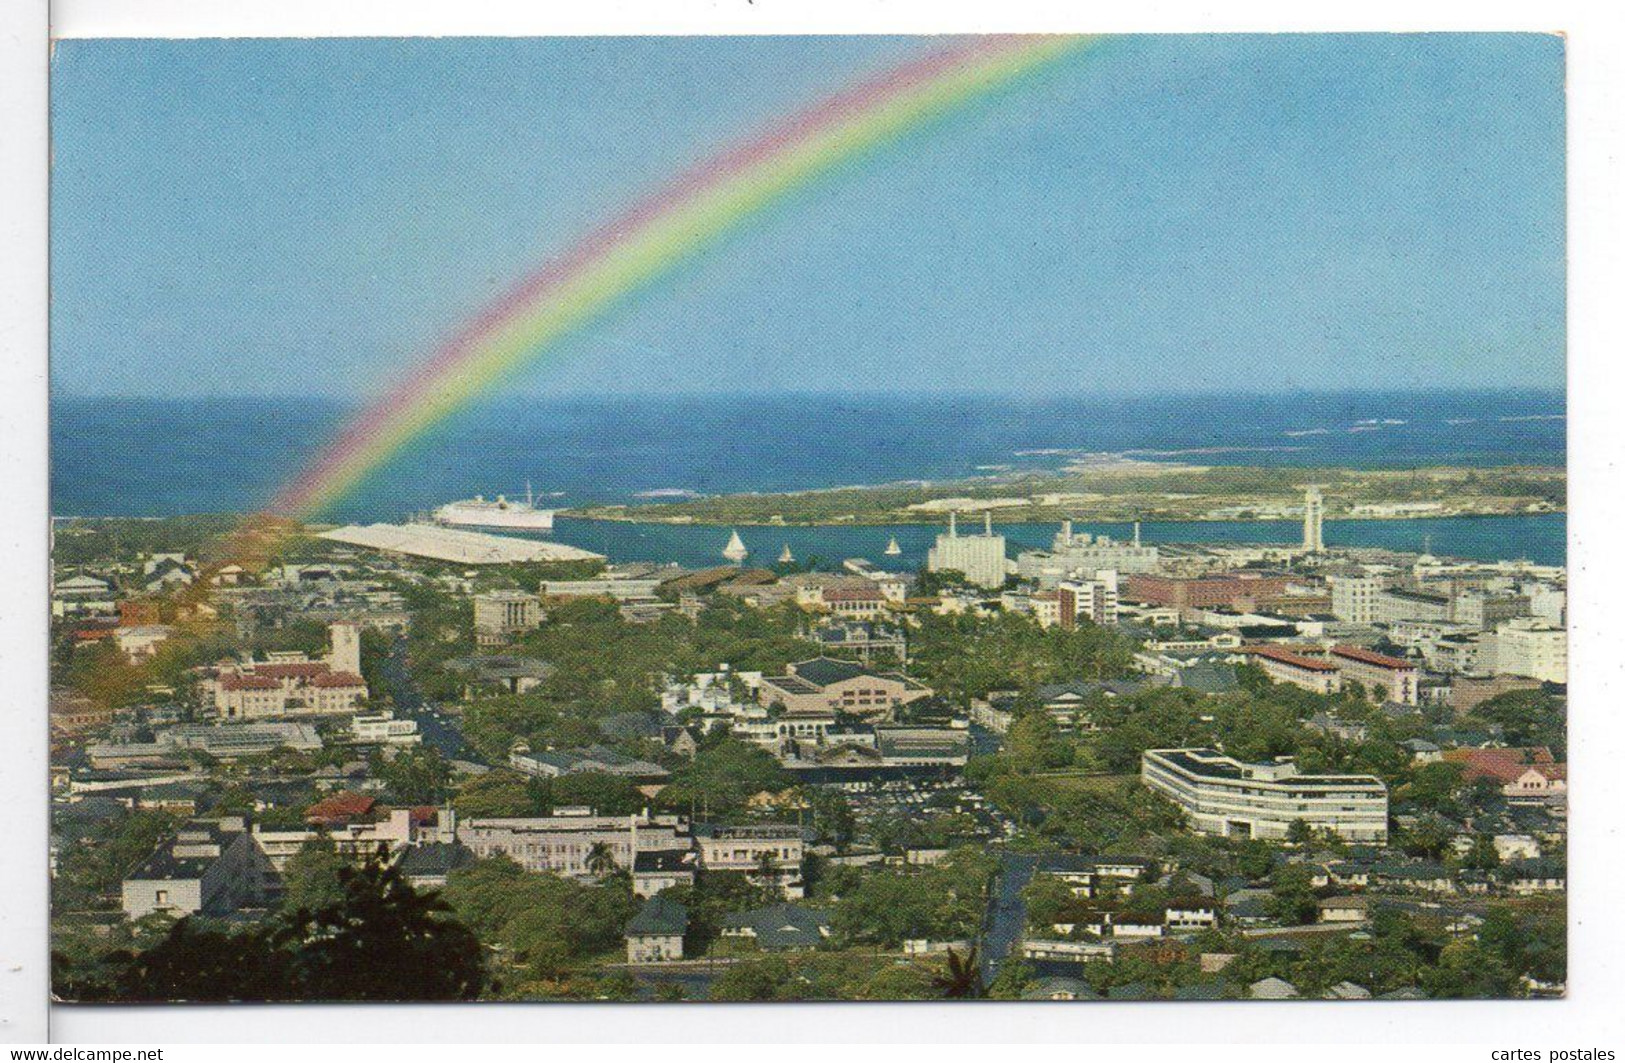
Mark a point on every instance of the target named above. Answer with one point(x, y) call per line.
point(313, 877)
point(418, 775)
point(90, 869)
point(943, 902)
point(378, 940)
point(720, 779)
point(962, 979)
point(965, 656)
point(1528, 718)
point(548, 923)
point(87, 539)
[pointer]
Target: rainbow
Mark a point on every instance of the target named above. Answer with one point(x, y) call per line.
point(654, 237)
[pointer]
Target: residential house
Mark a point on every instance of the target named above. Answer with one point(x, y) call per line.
point(779, 927)
point(208, 867)
point(428, 866)
point(655, 934)
point(656, 870)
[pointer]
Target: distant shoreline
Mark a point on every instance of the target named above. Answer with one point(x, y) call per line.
point(974, 520)
point(1112, 488)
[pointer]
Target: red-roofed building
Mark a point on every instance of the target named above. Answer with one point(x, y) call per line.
point(1285, 666)
point(1386, 678)
point(1529, 773)
point(340, 809)
point(292, 673)
point(334, 692)
point(291, 685)
point(241, 697)
point(336, 680)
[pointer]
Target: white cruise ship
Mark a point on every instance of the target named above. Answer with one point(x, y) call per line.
point(481, 512)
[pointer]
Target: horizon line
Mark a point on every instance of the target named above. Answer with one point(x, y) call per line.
point(58, 395)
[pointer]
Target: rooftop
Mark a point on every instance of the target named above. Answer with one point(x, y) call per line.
point(659, 916)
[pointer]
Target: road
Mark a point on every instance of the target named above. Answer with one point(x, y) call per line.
point(1006, 911)
point(439, 730)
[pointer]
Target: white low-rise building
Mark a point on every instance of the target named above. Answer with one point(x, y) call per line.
point(382, 728)
point(1224, 796)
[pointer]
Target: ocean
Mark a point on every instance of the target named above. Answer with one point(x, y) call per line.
point(155, 457)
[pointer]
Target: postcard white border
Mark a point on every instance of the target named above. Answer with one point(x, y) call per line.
point(1597, 433)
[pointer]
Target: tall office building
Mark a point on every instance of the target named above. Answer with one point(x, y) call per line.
point(1354, 598)
point(345, 655)
point(1094, 600)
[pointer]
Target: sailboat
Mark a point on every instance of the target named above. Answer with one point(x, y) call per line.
point(892, 549)
point(786, 557)
point(735, 550)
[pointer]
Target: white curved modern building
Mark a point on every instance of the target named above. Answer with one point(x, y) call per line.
point(1224, 796)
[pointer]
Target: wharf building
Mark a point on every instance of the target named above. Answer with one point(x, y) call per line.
point(1223, 796)
point(1395, 604)
point(1354, 598)
point(563, 844)
point(1486, 612)
point(1071, 554)
point(980, 558)
point(1530, 648)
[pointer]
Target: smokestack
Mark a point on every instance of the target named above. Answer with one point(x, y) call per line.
point(987, 523)
point(1066, 532)
point(1136, 533)
point(953, 523)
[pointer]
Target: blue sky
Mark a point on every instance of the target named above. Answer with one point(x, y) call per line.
point(1170, 213)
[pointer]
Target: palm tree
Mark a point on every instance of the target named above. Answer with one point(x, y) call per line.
point(600, 861)
point(962, 980)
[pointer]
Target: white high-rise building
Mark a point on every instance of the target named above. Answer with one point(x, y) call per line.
point(1314, 512)
point(1532, 648)
point(1354, 598)
point(1095, 600)
point(1548, 601)
point(981, 558)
